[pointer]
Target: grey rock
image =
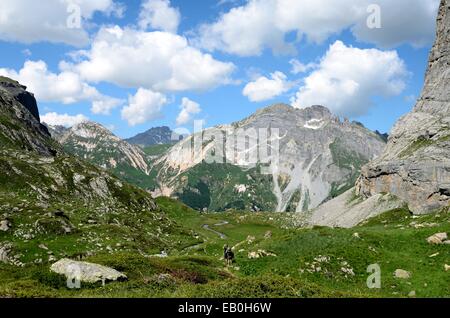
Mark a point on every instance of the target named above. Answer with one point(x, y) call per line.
point(438, 238)
point(348, 211)
point(402, 274)
point(19, 93)
point(5, 225)
point(24, 126)
point(5, 249)
point(415, 165)
point(86, 272)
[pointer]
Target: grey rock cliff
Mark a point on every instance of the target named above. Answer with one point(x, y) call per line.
point(19, 120)
point(415, 165)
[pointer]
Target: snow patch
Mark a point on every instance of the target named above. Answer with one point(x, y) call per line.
point(314, 124)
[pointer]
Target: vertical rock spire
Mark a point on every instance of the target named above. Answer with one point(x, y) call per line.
point(415, 165)
point(435, 96)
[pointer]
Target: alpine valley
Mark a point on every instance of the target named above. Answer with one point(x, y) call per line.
point(84, 213)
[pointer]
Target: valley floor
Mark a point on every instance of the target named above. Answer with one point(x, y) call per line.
point(273, 259)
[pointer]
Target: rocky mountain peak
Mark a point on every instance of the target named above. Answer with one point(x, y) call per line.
point(435, 96)
point(90, 129)
point(155, 136)
point(319, 157)
point(95, 143)
point(19, 124)
point(19, 92)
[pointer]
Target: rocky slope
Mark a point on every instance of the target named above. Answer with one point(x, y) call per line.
point(154, 136)
point(54, 205)
point(320, 157)
point(415, 165)
point(96, 144)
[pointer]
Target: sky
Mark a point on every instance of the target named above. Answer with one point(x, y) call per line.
point(133, 65)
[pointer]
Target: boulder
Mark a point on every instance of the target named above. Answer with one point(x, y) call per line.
point(447, 267)
point(438, 238)
point(86, 272)
point(402, 274)
point(5, 249)
point(260, 254)
point(5, 225)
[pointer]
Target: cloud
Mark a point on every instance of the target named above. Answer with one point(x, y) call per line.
point(263, 24)
point(264, 88)
point(298, 67)
point(144, 106)
point(66, 87)
point(159, 15)
point(188, 108)
point(54, 119)
point(347, 79)
point(35, 21)
point(158, 61)
point(402, 22)
point(244, 31)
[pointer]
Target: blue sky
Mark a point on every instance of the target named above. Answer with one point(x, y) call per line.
point(217, 61)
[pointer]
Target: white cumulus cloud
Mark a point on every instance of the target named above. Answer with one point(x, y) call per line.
point(347, 79)
point(298, 67)
point(264, 88)
point(259, 24)
point(35, 21)
point(144, 106)
point(159, 15)
point(188, 108)
point(66, 87)
point(158, 61)
point(55, 119)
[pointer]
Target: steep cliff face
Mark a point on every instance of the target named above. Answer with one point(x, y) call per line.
point(415, 165)
point(19, 120)
point(320, 157)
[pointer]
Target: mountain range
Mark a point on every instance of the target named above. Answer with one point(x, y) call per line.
point(320, 157)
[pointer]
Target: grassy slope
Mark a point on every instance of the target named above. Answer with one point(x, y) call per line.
point(390, 240)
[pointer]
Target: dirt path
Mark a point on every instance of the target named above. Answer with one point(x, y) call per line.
point(221, 235)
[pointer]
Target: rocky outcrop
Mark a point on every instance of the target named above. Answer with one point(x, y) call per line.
point(86, 272)
point(415, 165)
point(19, 120)
point(348, 210)
point(320, 157)
point(19, 93)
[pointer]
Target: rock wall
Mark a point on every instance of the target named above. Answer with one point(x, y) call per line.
point(415, 165)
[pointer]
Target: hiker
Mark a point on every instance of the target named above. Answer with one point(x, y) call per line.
point(228, 255)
